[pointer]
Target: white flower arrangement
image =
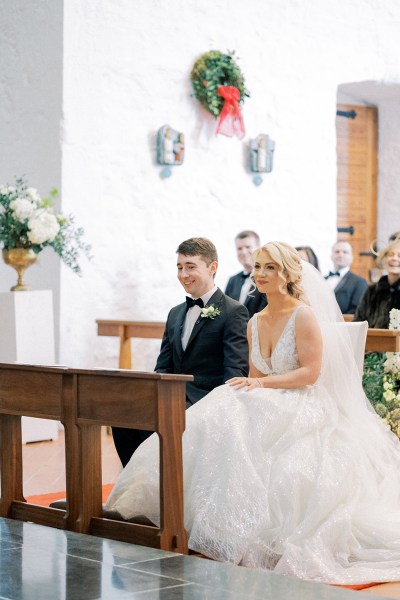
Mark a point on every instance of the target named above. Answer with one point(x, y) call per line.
point(28, 221)
point(210, 312)
point(389, 410)
point(394, 319)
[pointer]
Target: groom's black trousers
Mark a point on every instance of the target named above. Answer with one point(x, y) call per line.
point(127, 441)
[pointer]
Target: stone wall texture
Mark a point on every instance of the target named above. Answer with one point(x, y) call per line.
point(125, 73)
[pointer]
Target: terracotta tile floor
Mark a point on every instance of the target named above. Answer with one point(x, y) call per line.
point(44, 472)
point(44, 464)
point(385, 590)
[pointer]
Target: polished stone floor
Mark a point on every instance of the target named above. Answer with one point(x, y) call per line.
point(42, 563)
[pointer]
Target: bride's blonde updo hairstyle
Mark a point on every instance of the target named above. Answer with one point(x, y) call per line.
point(289, 266)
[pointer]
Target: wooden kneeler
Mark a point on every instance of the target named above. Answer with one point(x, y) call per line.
point(149, 401)
point(84, 400)
point(35, 392)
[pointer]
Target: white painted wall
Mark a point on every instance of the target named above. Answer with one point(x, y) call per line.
point(30, 111)
point(126, 69)
point(126, 73)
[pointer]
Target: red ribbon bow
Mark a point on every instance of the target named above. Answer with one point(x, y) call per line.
point(230, 120)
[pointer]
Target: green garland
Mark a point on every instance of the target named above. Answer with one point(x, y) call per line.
point(374, 381)
point(373, 376)
point(211, 70)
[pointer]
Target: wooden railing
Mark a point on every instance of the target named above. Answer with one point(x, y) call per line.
point(84, 400)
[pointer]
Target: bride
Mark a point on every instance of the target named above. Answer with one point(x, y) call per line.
point(288, 469)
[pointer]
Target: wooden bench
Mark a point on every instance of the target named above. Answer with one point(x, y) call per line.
point(383, 340)
point(125, 330)
point(378, 340)
point(84, 400)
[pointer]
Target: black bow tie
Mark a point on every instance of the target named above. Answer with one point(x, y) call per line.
point(190, 302)
point(246, 275)
point(333, 274)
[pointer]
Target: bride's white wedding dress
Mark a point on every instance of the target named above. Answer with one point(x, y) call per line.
point(281, 479)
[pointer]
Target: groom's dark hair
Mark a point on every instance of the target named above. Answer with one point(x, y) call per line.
point(199, 247)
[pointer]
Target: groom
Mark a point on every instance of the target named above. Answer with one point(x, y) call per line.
point(205, 336)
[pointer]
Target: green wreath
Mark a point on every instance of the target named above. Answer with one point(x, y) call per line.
point(211, 70)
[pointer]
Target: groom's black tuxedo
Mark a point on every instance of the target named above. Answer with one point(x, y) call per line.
point(253, 303)
point(216, 351)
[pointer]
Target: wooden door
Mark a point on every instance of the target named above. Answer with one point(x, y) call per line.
point(357, 182)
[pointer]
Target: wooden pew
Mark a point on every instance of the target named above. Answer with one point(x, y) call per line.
point(378, 340)
point(383, 340)
point(84, 400)
point(125, 330)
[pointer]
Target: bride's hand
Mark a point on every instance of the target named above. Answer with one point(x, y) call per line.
point(250, 383)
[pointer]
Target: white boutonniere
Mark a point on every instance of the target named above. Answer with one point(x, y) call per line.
point(210, 312)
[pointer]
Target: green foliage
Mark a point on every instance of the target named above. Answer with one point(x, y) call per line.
point(373, 376)
point(211, 70)
point(68, 244)
point(381, 388)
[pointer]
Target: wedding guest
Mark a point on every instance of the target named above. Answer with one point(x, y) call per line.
point(348, 286)
point(308, 254)
point(209, 344)
point(240, 287)
point(280, 471)
point(383, 295)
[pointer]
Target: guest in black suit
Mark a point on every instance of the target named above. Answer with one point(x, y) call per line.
point(348, 287)
point(240, 287)
point(205, 336)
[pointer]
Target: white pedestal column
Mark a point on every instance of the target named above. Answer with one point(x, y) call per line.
point(27, 336)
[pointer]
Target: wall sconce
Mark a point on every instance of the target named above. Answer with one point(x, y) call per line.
point(170, 149)
point(261, 153)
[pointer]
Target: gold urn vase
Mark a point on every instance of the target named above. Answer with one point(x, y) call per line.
point(20, 259)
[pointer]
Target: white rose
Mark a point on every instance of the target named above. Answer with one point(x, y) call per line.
point(34, 194)
point(394, 318)
point(7, 189)
point(389, 396)
point(43, 227)
point(22, 208)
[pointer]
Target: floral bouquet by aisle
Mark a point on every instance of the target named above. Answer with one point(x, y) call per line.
point(29, 222)
point(388, 407)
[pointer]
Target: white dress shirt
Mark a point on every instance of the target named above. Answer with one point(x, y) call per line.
point(334, 279)
point(247, 284)
point(192, 315)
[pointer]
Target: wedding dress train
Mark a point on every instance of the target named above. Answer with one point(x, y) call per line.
point(282, 479)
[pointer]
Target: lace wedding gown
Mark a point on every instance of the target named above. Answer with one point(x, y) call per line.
point(281, 479)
